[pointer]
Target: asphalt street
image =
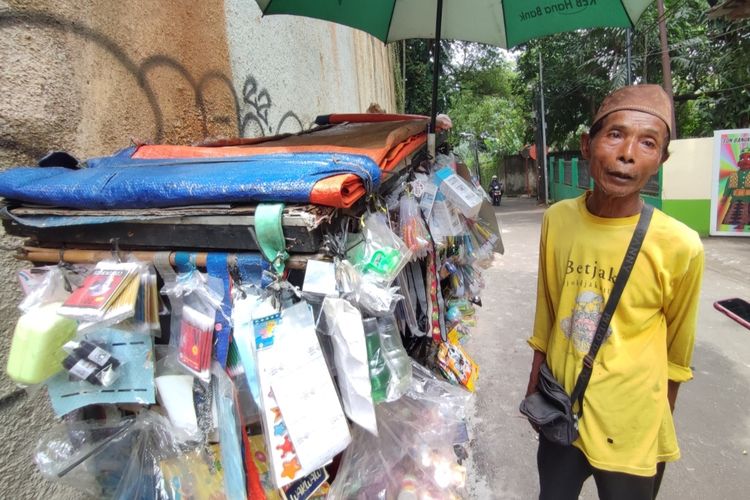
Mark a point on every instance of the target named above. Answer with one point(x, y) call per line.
point(712, 411)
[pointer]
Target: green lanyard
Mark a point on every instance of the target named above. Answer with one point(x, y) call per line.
point(270, 234)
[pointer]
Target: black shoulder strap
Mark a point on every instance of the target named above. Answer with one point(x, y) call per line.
point(609, 310)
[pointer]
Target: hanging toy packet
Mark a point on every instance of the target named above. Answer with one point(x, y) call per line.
point(195, 301)
point(382, 254)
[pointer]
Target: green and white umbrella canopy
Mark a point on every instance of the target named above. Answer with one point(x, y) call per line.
point(503, 23)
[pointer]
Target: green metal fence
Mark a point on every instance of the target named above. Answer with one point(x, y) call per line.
point(570, 177)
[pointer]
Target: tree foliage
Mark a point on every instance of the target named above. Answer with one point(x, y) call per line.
point(479, 89)
point(487, 106)
point(710, 71)
point(492, 97)
point(710, 74)
point(419, 76)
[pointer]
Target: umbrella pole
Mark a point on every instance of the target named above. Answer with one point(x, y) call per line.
point(435, 75)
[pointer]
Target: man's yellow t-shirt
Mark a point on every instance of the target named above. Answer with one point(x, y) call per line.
point(626, 424)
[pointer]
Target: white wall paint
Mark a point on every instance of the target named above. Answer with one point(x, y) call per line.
point(307, 67)
point(687, 173)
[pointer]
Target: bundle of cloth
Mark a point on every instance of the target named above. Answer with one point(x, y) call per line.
point(332, 165)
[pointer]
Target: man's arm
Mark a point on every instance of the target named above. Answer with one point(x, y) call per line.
point(672, 388)
point(536, 366)
point(681, 315)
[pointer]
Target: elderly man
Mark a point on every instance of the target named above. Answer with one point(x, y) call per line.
point(626, 431)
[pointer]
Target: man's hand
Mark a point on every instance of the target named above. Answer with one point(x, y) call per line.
point(536, 366)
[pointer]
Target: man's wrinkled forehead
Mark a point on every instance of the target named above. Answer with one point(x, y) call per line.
point(649, 99)
point(627, 119)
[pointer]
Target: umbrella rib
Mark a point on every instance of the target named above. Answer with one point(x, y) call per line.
point(632, 24)
point(390, 20)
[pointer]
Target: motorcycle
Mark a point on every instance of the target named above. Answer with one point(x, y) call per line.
point(497, 196)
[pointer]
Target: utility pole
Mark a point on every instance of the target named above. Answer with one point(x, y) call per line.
point(544, 131)
point(666, 66)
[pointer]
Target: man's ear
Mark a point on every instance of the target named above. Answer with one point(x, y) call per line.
point(585, 143)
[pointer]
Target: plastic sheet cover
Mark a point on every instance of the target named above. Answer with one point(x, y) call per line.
point(118, 181)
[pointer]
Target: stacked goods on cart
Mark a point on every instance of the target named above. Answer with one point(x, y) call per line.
point(255, 370)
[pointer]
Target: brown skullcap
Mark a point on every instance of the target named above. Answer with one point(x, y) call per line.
point(649, 99)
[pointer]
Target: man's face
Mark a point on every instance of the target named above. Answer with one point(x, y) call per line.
point(625, 153)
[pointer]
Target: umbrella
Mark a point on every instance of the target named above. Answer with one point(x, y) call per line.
point(503, 23)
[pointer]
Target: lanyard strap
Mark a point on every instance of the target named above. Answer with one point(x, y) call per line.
point(216, 266)
point(609, 310)
point(270, 234)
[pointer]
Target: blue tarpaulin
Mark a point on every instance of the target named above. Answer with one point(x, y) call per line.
point(119, 182)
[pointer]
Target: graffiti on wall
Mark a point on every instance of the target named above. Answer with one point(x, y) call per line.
point(252, 113)
point(259, 102)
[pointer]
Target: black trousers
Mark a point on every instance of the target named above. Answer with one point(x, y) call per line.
point(563, 470)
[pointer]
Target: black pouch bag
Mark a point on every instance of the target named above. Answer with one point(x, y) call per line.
point(550, 408)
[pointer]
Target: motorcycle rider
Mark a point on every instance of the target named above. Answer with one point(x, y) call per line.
point(496, 190)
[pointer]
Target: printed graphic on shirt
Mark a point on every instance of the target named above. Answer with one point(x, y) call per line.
point(580, 326)
point(587, 275)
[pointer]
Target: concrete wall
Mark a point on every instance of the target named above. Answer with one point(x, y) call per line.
point(520, 175)
point(91, 76)
point(686, 182)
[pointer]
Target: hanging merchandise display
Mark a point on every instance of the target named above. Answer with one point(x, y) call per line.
point(280, 318)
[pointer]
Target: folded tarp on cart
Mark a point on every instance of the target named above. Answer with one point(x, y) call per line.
point(125, 181)
point(384, 142)
point(387, 143)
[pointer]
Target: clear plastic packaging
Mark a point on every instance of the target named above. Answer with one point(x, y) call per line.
point(43, 285)
point(106, 296)
point(414, 452)
point(359, 372)
point(371, 296)
point(444, 222)
point(383, 254)
point(483, 241)
point(134, 383)
point(147, 307)
point(380, 375)
point(413, 229)
point(442, 161)
point(398, 361)
point(70, 452)
point(126, 458)
point(195, 302)
point(91, 362)
point(137, 307)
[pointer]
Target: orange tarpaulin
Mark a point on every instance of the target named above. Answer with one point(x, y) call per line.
point(387, 143)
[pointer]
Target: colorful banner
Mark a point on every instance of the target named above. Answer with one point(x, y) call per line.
point(730, 192)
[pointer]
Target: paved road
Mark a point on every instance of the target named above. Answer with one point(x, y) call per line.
point(713, 410)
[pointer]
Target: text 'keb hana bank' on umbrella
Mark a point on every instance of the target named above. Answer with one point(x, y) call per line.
point(565, 6)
